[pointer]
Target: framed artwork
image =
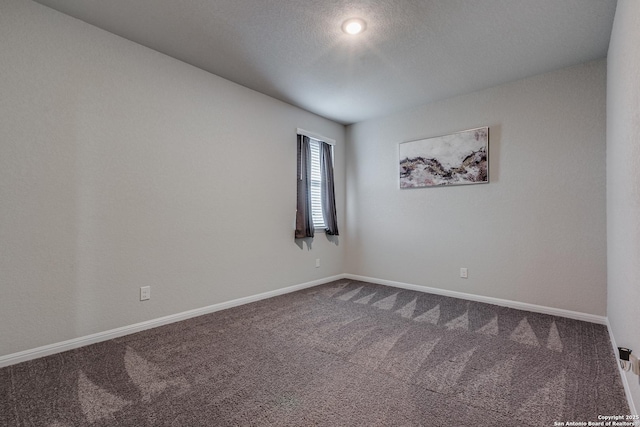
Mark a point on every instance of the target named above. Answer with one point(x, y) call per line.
point(457, 159)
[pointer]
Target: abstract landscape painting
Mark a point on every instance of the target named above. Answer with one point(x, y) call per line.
point(457, 159)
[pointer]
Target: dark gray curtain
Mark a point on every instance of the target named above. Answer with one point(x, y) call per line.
point(304, 221)
point(327, 190)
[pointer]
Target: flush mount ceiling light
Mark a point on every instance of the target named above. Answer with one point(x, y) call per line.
point(354, 26)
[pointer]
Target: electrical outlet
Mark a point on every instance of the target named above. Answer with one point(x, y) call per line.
point(145, 293)
point(317, 262)
point(635, 368)
point(464, 273)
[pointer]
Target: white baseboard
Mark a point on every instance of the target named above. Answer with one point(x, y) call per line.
point(47, 350)
point(71, 344)
point(489, 300)
point(23, 356)
point(623, 375)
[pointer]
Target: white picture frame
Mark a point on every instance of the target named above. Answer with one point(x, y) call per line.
point(460, 158)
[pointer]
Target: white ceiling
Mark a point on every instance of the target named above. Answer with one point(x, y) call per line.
point(413, 51)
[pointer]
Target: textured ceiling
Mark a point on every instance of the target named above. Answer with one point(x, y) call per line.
point(413, 51)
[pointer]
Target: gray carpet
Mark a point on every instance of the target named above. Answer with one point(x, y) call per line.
point(343, 354)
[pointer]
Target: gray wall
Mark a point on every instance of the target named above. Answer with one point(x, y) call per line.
point(535, 234)
point(623, 180)
point(121, 167)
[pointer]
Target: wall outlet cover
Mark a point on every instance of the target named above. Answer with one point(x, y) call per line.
point(635, 368)
point(145, 293)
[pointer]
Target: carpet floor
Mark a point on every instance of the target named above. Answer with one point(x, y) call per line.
point(346, 353)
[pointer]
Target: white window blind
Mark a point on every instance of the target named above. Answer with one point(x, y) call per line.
point(316, 182)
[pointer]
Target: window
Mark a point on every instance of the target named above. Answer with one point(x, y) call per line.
point(316, 187)
point(316, 204)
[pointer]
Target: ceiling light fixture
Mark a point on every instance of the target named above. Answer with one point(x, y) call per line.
point(354, 26)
